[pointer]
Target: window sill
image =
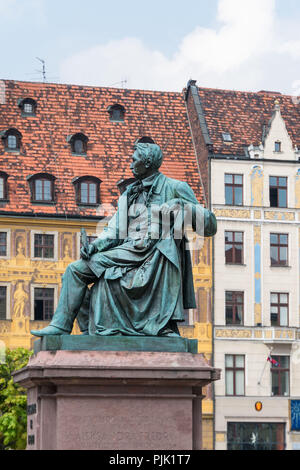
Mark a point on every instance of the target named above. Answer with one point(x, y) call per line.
point(235, 264)
point(235, 396)
point(80, 204)
point(277, 207)
point(4, 201)
point(43, 203)
point(75, 154)
point(51, 260)
point(279, 266)
point(280, 396)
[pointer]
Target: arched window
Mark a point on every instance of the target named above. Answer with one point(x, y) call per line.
point(145, 140)
point(3, 186)
point(116, 112)
point(78, 143)
point(42, 187)
point(87, 190)
point(27, 106)
point(12, 139)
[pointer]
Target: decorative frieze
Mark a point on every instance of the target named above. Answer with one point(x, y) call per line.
point(274, 215)
point(233, 213)
point(233, 333)
point(268, 334)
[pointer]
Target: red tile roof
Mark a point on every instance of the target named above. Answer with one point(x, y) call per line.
point(243, 115)
point(63, 110)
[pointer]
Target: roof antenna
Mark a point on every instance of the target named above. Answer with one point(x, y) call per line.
point(43, 71)
point(122, 83)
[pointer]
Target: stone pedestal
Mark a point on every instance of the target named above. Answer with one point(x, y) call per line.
point(115, 400)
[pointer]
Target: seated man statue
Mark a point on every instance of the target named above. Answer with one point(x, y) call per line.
point(142, 273)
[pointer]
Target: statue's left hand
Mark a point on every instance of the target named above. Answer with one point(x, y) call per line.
point(87, 253)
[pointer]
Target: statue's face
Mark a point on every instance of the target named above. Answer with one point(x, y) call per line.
point(138, 167)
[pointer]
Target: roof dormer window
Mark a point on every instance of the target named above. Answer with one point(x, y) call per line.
point(12, 139)
point(27, 106)
point(12, 142)
point(78, 143)
point(42, 188)
point(116, 113)
point(78, 146)
point(3, 186)
point(87, 190)
point(226, 137)
point(278, 148)
point(145, 140)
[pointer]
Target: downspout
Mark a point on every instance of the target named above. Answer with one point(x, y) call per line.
point(208, 204)
point(212, 308)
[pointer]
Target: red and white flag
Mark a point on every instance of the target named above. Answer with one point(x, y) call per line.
point(273, 361)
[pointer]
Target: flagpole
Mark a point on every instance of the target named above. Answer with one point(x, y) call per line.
point(259, 382)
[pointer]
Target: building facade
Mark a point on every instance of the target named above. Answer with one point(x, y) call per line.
point(247, 145)
point(65, 154)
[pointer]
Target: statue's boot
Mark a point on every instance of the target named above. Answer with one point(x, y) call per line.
point(49, 331)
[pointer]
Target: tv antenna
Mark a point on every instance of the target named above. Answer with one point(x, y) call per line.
point(122, 83)
point(43, 71)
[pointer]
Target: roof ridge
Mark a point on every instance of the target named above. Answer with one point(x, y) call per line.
point(90, 86)
point(271, 94)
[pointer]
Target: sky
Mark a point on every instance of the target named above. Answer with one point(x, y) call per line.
point(246, 45)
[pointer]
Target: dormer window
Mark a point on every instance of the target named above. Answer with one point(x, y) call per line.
point(27, 106)
point(87, 189)
point(78, 143)
point(3, 186)
point(12, 139)
point(12, 142)
point(145, 140)
point(116, 113)
point(226, 137)
point(42, 188)
point(278, 146)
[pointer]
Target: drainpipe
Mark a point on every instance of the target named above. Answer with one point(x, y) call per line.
point(192, 88)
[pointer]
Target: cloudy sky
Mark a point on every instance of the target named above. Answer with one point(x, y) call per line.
point(154, 44)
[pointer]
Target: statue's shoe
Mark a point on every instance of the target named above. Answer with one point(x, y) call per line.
point(49, 331)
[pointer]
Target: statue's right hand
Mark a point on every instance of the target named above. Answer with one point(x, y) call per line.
point(87, 253)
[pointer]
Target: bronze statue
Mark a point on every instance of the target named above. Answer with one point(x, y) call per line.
point(142, 273)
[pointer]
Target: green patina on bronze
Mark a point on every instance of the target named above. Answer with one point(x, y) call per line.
point(142, 280)
point(116, 343)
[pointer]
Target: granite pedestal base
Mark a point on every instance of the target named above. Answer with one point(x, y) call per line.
point(115, 400)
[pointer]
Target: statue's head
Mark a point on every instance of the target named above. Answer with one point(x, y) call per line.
point(146, 159)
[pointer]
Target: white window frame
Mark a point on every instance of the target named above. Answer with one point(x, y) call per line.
point(78, 238)
point(43, 232)
point(42, 286)
point(8, 294)
point(8, 244)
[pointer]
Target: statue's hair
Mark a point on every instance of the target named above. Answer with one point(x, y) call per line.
point(150, 152)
